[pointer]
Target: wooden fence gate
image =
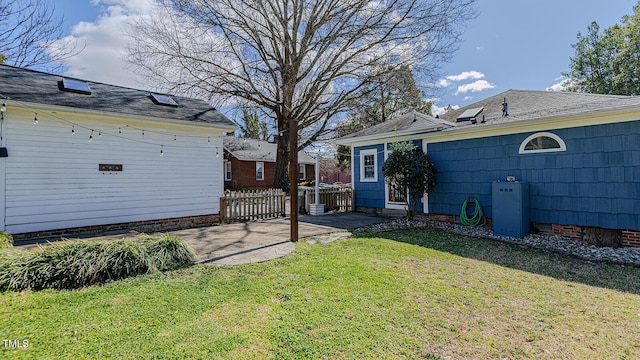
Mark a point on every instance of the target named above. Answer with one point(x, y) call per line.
point(250, 205)
point(333, 198)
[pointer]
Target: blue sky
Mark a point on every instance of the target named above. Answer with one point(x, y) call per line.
point(512, 44)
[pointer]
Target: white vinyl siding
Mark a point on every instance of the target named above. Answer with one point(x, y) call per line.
point(53, 180)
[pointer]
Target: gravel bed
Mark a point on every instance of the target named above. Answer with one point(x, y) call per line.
point(551, 243)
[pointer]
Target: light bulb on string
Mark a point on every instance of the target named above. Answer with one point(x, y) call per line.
point(161, 150)
point(100, 133)
point(119, 131)
point(175, 138)
point(217, 153)
point(91, 136)
point(142, 132)
point(3, 108)
point(208, 139)
point(73, 130)
point(35, 119)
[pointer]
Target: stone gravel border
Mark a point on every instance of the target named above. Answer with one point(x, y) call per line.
point(550, 243)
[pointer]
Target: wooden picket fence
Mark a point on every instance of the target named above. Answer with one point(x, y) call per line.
point(333, 198)
point(248, 205)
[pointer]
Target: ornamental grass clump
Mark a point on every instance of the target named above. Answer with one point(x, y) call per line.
point(74, 264)
point(6, 240)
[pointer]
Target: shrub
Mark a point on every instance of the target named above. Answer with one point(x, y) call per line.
point(409, 171)
point(6, 240)
point(75, 263)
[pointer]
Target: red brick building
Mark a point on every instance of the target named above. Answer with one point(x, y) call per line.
point(251, 164)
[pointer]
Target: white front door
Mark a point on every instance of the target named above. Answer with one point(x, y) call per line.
point(393, 199)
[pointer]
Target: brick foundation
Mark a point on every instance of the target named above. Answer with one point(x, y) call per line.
point(630, 238)
point(568, 231)
point(440, 217)
point(139, 226)
point(453, 219)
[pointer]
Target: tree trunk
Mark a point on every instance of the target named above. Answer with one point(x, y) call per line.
point(281, 180)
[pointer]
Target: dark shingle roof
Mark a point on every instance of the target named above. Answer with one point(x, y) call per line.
point(526, 105)
point(23, 85)
point(405, 121)
point(257, 150)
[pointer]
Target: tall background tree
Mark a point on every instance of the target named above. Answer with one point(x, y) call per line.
point(303, 62)
point(27, 27)
point(381, 97)
point(608, 61)
point(252, 127)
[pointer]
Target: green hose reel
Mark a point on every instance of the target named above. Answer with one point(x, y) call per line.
point(477, 219)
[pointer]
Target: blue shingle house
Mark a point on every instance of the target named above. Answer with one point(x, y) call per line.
point(579, 154)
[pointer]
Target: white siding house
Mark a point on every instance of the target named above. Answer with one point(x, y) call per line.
point(114, 156)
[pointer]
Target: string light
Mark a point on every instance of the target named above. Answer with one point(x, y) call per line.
point(217, 153)
point(175, 138)
point(54, 117)
point(35, 119)
point(161, 150)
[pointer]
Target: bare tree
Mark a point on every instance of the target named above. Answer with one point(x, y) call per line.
point(26, 30)
point(301, 61)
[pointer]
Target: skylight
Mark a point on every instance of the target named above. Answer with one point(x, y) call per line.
point(76, 86)
point(469, 114)
point(163, 99)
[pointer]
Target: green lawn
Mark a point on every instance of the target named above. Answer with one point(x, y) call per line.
point(420, 294)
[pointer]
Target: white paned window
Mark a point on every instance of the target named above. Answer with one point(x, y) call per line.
point(302, 172)
point(542, 142)
point(368, 165)
point(259, 171)
point(227, 171)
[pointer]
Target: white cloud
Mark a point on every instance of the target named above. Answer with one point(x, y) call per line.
point(443, 83)
point(104, 41)
point(562, 84)
point(439, 110)
point(475, 86)
point(451, 80)
point(466, 75)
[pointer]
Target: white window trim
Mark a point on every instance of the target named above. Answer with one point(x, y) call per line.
point(262, 167)
point(302, 167)
point(364, 153)
point(563, 146)
point(227, 163)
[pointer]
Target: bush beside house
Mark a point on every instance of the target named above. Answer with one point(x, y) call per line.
point(74, 264)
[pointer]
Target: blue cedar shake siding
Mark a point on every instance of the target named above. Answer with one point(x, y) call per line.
point(369, 194)
point(595, 182)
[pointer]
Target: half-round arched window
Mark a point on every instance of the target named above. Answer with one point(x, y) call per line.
point(542, 142)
